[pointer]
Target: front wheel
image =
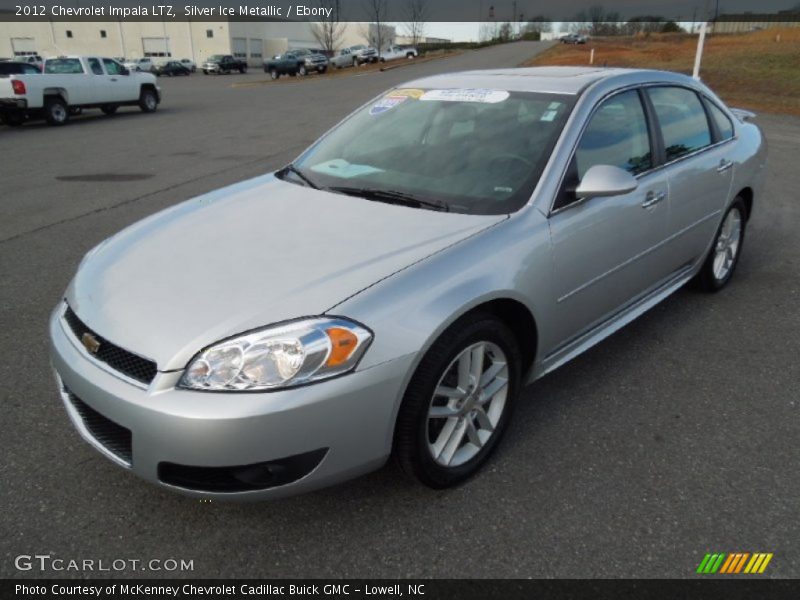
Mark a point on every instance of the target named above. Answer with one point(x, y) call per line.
point(301, 70)
point(148, 101)
point(273, 73)
point(56, 111)
point(723, 256)
point(457, 405)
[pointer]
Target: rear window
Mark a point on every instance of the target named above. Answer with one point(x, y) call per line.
point(723, 123)
point(63, 66)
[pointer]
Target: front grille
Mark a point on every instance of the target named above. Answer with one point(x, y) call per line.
point(113, 437)
point(117, 358)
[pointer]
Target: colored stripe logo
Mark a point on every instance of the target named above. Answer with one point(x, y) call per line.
point(734, 563)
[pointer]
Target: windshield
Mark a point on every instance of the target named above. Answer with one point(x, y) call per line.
point(472, 151)
point(216, 57)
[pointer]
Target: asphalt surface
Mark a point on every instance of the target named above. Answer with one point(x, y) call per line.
point(675, 437)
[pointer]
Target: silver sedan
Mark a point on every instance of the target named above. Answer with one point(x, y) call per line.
point(391, 291)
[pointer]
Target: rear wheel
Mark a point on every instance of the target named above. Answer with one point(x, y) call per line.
point(355, 62)
point(148, 101)
point(458, 403)
point(301, 70)
point(56, 111)
point(109, 109)
point(242, 70)
point(273, 73)
point(723, 256)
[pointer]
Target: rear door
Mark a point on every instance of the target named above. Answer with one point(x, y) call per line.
point(698, 166)
point(104, 88)
point(608, 251)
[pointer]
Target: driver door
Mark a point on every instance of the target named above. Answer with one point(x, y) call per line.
point(607, 251)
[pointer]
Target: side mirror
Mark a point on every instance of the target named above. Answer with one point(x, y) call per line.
point(605, 180)
point(124, 71)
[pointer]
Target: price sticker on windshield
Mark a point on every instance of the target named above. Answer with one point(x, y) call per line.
point(386, 103)
point(466, 95)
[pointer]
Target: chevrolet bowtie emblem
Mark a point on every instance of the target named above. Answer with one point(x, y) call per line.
point(91, 343)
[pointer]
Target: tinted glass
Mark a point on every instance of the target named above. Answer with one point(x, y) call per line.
point(112, 67)
point(724, 124)
point(616, 135)
point(478, 151)
point(95, 66)
point(683, 121)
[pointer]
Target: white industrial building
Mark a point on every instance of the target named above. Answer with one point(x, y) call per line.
point(252, 40)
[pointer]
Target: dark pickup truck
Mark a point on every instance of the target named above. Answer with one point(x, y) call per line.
point(224, 63)
point(296, 62)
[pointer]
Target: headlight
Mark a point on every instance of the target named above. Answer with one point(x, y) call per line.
point(278, 357)
point(309, 61)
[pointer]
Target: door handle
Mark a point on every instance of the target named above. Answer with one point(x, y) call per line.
point(113, 79)
point(652, 198)
point(724, 165)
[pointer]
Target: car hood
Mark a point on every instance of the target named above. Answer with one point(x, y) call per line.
point(249, 255)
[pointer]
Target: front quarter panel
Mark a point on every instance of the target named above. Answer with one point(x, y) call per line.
point(408, 311)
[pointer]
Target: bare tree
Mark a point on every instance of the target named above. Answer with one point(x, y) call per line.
point(416, 12)
point(328, 33)
point(376, 9)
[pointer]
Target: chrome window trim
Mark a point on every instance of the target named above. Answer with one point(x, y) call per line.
point(554, 211)
point(99, 363)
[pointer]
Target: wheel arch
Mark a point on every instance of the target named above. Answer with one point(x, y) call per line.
point(746, 194)
point(56, 91)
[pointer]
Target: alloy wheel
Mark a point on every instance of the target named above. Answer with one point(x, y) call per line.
point(467, 404)
point(727, 245)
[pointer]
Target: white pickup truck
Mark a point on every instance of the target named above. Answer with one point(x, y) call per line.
point(71, 83)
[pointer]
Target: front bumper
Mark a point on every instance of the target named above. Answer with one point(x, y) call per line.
point(323, 433)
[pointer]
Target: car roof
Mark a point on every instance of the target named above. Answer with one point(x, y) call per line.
point(556, 80)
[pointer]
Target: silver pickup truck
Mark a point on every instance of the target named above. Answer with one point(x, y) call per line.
point(354, 56)
point(69, 83)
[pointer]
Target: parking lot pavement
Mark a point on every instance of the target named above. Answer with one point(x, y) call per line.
point(675, 437)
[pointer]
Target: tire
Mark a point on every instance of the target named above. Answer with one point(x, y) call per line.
point(419, 436)
point(243, 70)
point(109, 109)
point(355, 62)
point(410, 56)
point(323, 70)
point(723, 256)
point(302, 71)
point(148, 101)
point(205, 72)
point(56, 111)
point(13, 118)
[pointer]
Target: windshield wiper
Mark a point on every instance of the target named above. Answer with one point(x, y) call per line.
point(391, 197)
point(290, 168)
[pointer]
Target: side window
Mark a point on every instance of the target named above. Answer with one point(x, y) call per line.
point(30, 70)
point(112, 67)
point(95, 66)
point(616, 135)
point(723, 123)
point(683, 121)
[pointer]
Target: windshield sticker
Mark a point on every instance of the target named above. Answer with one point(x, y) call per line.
point(409, 92)
point(548, 115)
point(386, 103)
point(466, 95)
point(338, 167)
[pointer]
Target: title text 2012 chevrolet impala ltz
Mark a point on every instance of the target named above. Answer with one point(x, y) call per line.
point(392, 290)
